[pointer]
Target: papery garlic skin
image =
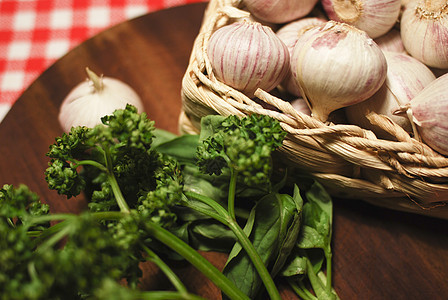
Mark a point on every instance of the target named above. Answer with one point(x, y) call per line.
point(406, 77)
point(279, 11)
point(289, 34)
point(247, 55)
point(85, 105)
point(299, 104)
point(391, 41)
point(429, 111)
point(337, 65)
point(424, 31)
point(375, 17)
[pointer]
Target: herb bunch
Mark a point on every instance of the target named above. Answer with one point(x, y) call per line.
point(150, 191)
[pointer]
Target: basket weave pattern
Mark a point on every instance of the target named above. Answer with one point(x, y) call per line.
point(351, 162)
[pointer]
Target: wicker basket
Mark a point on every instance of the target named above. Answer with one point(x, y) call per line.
point(351, 162)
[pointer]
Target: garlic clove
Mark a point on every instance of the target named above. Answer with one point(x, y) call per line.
point(95, 98)
point(391, 41)
point(279, 11)
point(247, 56)
point(337, 65)
point(289, 34)
point(424, 31)
point(375, 17)
point(406, 77)
point(429, 110)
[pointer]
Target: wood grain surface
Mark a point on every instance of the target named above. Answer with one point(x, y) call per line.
point(378, 253)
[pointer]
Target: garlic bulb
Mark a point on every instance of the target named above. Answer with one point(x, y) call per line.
point(375, 17)
point(429, 110)
point(279, 11)
point(406, 77)
point(391, 41)
point(424, 31)
point(94, 98)
point(336, 65)
point(289, 34)
point(251, 18)
point(247, 55)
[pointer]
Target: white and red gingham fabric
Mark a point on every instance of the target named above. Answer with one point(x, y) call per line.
point(35, 33)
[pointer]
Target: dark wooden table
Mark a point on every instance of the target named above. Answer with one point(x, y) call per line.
point(378, 253)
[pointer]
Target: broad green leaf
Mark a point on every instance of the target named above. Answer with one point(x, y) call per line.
point(161, 136)
point(182, 148)
point(203, 185)
point(208, 125)
point(320, 196)
point(315, 217)
point(264, 237)
point(210, 235)
point(291, 224)
point(317, 214)
point(287, 244)
point(296, 264)
point(310, 238)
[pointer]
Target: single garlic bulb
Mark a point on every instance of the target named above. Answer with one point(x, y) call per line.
point(424, 31)
point(375, 17)
point(289, 34)
point(406, 77)
point(279, 11)
point(247, 55)
point(95, 98)
point(337, 65)
point(391, 41)
point(429, 111)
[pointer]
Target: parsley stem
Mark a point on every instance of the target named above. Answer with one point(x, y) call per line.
point(231, 195)
point(328, 257)
point(301, 290)
point(197, 260)
point(48, 218)
point(172, 277)
point(91, 163)
point(117, 193)
point(165, 295)
point(243, 240)
point(122, 204)
point(61, 230)
point(220, 214)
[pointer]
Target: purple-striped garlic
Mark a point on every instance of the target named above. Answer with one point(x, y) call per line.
point(429, 112)
point(375, 17)
point(279, 11)
point(424, 31)
point(406, 77)
point(336, 65)
point(247, 56)
point(289, 34)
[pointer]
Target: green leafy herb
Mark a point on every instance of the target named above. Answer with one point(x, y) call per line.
point(153, 194)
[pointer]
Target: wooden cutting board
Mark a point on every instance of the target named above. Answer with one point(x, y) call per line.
point(378, 253)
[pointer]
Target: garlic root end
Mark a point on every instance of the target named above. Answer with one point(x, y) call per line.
point(96, 80)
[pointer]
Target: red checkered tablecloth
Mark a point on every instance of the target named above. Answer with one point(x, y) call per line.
point(35, 33)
